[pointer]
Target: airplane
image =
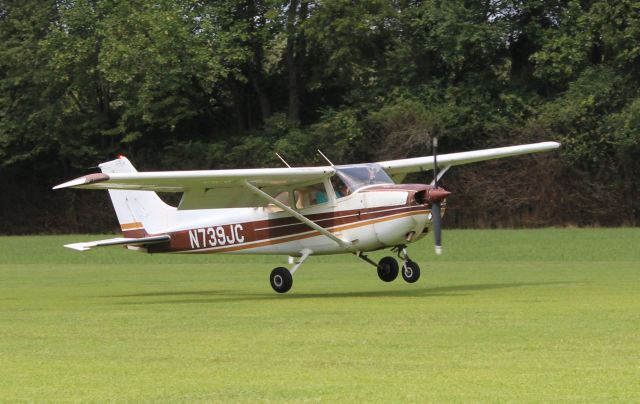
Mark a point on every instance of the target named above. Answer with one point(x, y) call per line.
point(294, 211)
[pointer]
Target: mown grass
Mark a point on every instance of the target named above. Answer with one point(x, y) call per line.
point(504, 315)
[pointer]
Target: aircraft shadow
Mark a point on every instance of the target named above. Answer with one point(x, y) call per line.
point(221, 296)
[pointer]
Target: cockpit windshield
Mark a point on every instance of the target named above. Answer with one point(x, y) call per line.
point(356, 176)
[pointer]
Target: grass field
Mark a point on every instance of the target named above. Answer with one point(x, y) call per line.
point(504, 315)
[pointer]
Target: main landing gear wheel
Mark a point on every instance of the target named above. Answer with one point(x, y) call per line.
point(281, 280)
point(388, 269)
point(410, 271)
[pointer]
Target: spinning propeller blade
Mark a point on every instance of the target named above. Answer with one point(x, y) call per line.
point(437, 226)
point(437, 196)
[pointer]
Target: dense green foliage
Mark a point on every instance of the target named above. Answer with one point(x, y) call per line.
point(525, 316)
point(213, 84)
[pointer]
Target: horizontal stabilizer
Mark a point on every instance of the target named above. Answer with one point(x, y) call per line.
point(119, 241)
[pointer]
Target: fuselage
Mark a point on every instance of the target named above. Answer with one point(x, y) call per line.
point(373, 217)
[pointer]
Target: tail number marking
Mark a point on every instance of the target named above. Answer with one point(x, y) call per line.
point(216, 236)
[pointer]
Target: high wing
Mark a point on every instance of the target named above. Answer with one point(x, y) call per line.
point(399, 168)
point(206, 189)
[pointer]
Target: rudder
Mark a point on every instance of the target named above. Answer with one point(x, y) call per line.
point(139, 213)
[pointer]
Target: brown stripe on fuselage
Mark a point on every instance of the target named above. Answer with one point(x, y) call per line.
point(137, 233)
point(291, 225)
point(395, 187)
point(313, 233)
point(133, 230)
point(273, 241)
point(276, 231)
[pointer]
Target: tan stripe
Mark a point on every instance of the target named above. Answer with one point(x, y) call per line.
point(316, 233)
point(131, 226)
point(382, 219)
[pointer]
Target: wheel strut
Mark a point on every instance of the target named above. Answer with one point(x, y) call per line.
point(401, 250)
point(365, 258)
point(387, 267)
point(410, 269)
point(282, 278)
point(305, 254)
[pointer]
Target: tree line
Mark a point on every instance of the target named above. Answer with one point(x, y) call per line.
point(188, 84)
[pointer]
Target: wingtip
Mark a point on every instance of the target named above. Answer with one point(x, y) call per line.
point(84, 180)
point(73, 183)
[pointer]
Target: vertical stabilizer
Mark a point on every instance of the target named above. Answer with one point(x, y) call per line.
point(139, 212)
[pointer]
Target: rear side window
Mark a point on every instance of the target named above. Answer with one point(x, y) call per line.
point(311, 195)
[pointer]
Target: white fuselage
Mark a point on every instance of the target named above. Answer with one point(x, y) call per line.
point(365, 220)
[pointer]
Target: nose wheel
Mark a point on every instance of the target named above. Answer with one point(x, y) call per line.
point(410, 269)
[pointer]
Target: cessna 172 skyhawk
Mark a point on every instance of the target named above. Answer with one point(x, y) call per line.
point(298, 212)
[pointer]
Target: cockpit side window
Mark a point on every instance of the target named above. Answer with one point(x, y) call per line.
point(339, 187)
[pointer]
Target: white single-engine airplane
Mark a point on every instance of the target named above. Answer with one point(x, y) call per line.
point(297, 212)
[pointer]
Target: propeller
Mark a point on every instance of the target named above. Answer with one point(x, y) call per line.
point(436, 196)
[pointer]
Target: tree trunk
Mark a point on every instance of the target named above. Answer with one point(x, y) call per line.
point(238, 105)
point(295, 55)
point(257, 81)
point(256, 74)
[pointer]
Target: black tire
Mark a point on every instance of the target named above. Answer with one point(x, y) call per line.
point(410, 271)
point(388, 269)
point(281, 280)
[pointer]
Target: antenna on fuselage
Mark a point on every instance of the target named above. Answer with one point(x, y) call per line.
point(325, 157)
point(283, 160)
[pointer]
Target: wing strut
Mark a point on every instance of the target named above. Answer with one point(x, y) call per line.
point(300, 217)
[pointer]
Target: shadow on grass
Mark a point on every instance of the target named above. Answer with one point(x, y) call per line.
point(209, 296)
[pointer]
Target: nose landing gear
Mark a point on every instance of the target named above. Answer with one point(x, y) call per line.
point(410, 269)
point(388, 267)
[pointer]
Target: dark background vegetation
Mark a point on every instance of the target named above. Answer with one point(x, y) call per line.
point(192, 84)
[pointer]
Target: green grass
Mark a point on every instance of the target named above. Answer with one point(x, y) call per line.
point(507, 316)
